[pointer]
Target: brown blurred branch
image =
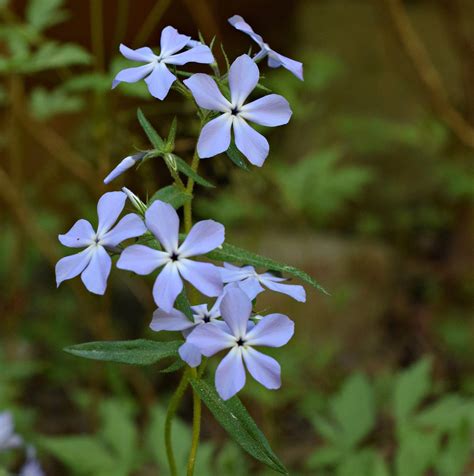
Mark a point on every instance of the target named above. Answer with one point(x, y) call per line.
point(151, 21)
point(427, 73)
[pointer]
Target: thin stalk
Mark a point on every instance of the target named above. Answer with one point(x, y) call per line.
point(196, 429)
point(188, 218)
point(172, 407)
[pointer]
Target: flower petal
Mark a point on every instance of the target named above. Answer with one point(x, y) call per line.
point(276, 59)
point(272, 110)
point(293, 290)
point(167, 286)
point(97, 271)
point(215, 136)
point(129, 226)
point(160, 80)
point(205, 277)
point(251, 287)
point(230, 374)
point(132, 75)
point(190, 354)
point(273, 330)
point(210, 339)
point(262, 368)
point(243, 77)
point(141, 259)
point(172, 41)
point(163, 221)
point(204, 236)
point(71, 266)
point(199, 54)
point(250, 142)
point(144, 54)
point(123, 165)
point(109, 207)
point(173, 320)
point(236, 308)
point(231, 273)
point(81, 234)
point(240, 24)
point(206, 93)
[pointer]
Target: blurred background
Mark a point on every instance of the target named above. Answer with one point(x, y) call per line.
point(369, 189)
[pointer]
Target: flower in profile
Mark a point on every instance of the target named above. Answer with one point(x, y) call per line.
point(253, 283)
point(272, 110)
point(163, 221)
point(273, 330)
point(123, 166)
point(32, 466)
point(94, 263)
point(155, 72)
point(8, 438)
point(275, 59)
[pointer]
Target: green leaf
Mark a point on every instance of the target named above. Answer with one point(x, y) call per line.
point(325, 429)
point(182, 304)
point(353, 408)
point(452, 460)
point(41, 14)
point(83, 454)
point(171, 194)
point(135, 352)
point(53, 55)
point(411, 387)
point(238, 255)
point(184, 168)
point(325, 456)
point(234, 154)
point(235, 419)
point(151, 133)
point(176, 365)
point(171, 135)
point(45, 104)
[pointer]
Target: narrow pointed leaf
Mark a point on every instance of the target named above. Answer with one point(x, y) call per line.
point(172, 135)
point(236, 157)
point(185, 169)
point(234, 254)
point(153, 136)
point(235, 419)
point(182, 304)
point(172, 195)
point(175, 366)
point(135, 352)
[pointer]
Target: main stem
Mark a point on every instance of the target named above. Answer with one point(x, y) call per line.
point(172, 407)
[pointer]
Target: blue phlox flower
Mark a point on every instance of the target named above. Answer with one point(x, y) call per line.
point(8, 438)
point(94, 262)
point(163, 221)
point(253, 283)
point(123, 166)
point(275, 59)
point(32, 466)
point(273, 330)
point(271, 110)
point(158, 77)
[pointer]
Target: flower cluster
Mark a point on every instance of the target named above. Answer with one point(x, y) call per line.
point(10, 440)
point(227, 117)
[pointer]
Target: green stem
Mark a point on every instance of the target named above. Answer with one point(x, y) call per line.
point(188, 218)
point(172, 407)
point(196, 429)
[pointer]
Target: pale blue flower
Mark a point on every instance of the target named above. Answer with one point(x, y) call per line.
point(272, 110)
point(32, 466)
point(8, 438)
point(253, 283)
point(158, 77)
point(123, 166)
point(275, 59)
point(273, 330)
point(94, 262)
point(163, 221)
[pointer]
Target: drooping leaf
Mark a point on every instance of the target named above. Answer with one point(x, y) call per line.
point(234, 254)
point(42, 14)
point(184, 168)
point(150, 131)
point(171, 194)
point(235, 419)
point(411, 387)
point(135, 352)
point(234, 154)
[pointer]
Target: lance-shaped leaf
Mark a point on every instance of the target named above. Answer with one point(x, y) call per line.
point(172, 195)
point(235, 419)
point(135, 352)
point(185, 169)
point(236, 157)
point(182, 304)
point(150, 131)
point(171, 135)
point(234, 254)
